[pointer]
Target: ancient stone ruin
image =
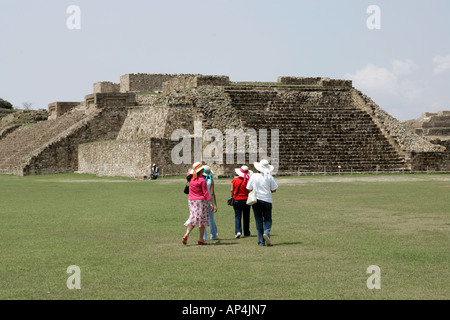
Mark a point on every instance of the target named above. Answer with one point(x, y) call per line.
point(432, 125)
point(317, 124)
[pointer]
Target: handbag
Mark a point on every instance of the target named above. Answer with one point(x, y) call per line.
point(230, 201)
point(252, 197)
point(186, 187)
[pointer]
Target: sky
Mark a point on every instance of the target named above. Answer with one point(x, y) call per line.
point(395, 51)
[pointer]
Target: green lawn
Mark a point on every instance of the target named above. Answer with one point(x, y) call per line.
point(125, 236)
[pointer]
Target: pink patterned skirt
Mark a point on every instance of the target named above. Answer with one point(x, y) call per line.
point(199, 215)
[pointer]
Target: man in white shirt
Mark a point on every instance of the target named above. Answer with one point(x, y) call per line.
point(264, 185)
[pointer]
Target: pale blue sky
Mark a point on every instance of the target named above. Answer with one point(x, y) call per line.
point(404, 66)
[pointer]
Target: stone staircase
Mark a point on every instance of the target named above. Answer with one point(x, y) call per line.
point(15, 119)
point(18, 148)
point(314, 137)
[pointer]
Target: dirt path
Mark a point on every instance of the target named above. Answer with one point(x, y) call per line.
point(298, 180)
point(374, 178)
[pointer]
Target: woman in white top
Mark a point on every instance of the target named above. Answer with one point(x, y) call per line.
point(264, 185)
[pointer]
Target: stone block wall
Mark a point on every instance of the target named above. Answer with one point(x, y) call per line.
point(336, 83)
point(115, 158)
point(57, 109)
point(204, 80)
point(317, 96)
point(192, 81)
point(446, 154)
point(161, 150)
point(430, 161)
point(106, 87)
point(146, 99)
point(143, 82)
point(129, 158)
point(110, 100)
point(157, 121)
point(144, 123)
point(299, 80)
point(178, 82)
point(315, 81)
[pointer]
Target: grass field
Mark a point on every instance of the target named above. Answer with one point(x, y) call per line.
point(125, 236)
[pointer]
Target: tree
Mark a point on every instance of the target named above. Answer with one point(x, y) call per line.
point(27, 105)
point(5, 104)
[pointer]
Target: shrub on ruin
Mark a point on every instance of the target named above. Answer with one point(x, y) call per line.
point(5, 104)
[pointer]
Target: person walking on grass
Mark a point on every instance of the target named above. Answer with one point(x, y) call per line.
point(211, 209)
point(264, 184)
point(239, 193)
point(198, 200)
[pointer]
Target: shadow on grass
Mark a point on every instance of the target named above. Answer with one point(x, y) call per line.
point(219, 242)
point(274, 244)
point(234, 241)
point(287, 243)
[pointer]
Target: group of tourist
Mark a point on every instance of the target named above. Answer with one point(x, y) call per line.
point(203, 204)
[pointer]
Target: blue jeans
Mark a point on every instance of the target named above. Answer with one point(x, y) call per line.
point(263, 219)
point(241, 209)
point(212, 226)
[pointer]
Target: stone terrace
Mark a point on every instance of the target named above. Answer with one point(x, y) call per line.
point(324, 125)
point(432, 125)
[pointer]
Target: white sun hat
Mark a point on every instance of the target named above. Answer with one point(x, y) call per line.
point(263, 166)
point(196, 167)
point(242, 171)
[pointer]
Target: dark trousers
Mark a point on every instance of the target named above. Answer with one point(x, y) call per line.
point(241, 209)
point(263, 219)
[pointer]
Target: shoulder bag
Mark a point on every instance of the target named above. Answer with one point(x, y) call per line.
point(230, 201)
point(252, 197)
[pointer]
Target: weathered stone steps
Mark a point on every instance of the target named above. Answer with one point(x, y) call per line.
point(18, 146)
point(313, 136)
